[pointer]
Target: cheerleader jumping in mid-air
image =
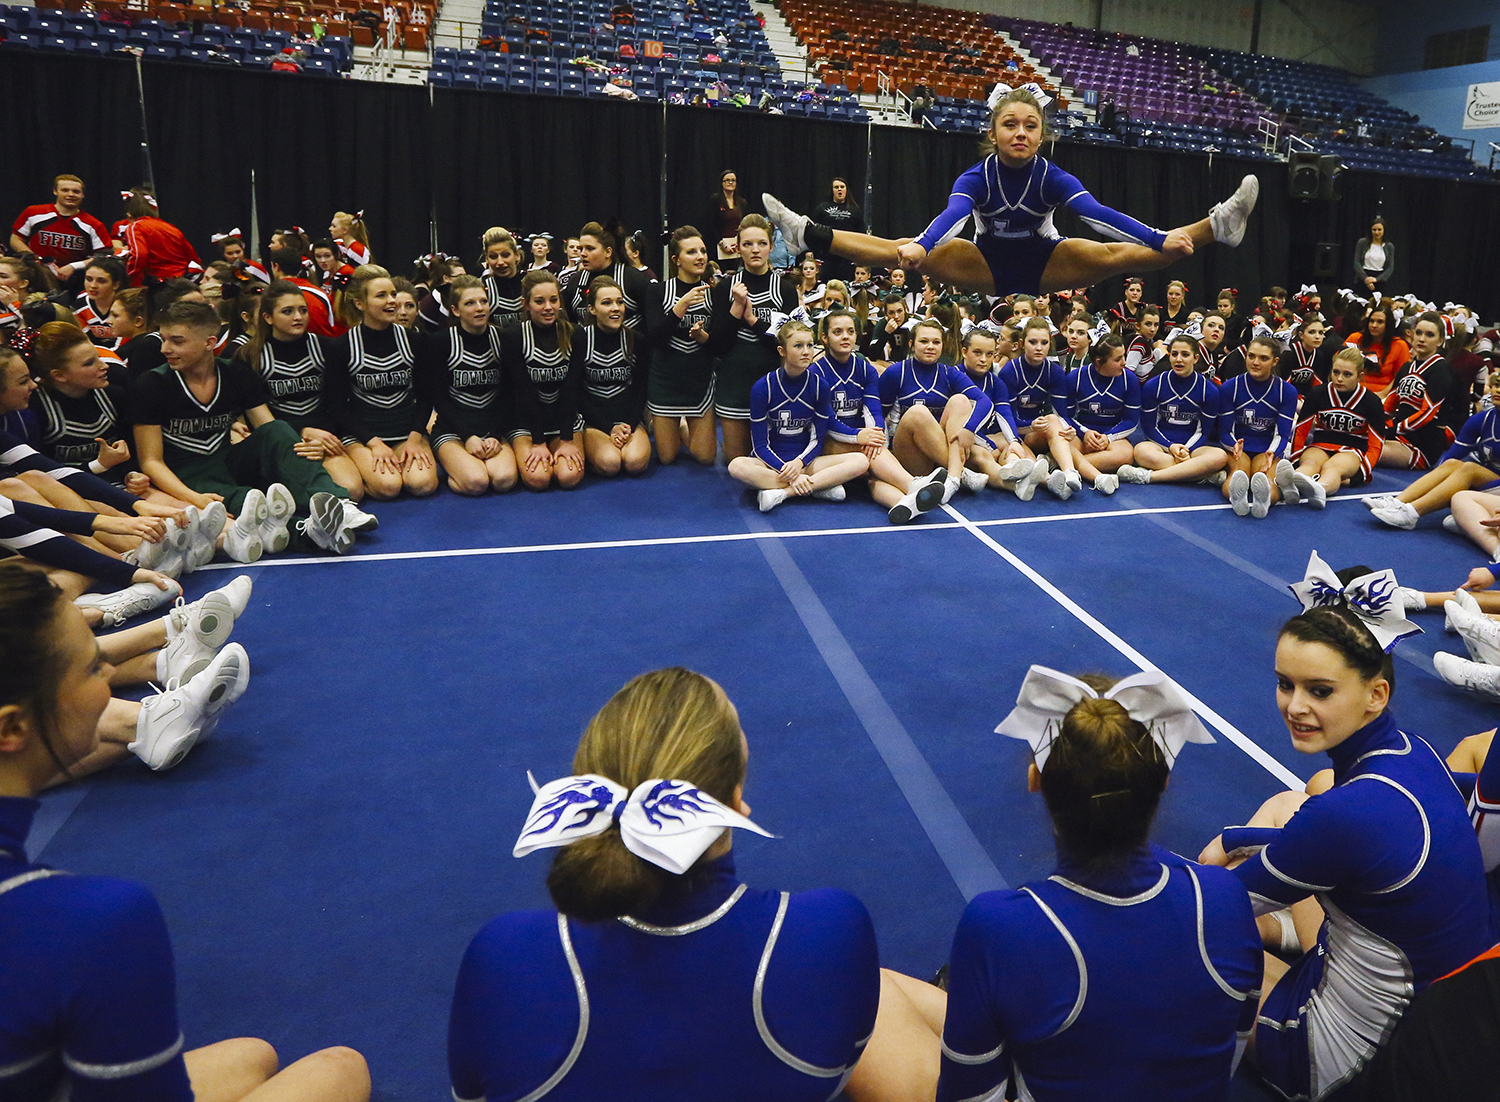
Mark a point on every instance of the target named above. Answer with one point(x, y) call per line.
point(1012, 195)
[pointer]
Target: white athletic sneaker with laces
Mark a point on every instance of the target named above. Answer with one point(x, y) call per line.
point(1074, 480)
point(1286, 482)
point(928, 492)
point(327, 525)
point(1450, 524)
point(1057, 482)
point(280, 507)
point(1026, 487)
point(1107, 483)
point(1376, 501)
point(150, 556)
point(206, 625)
point(242, 538)
point(1016, 468)
point(1136, 476)
point(1401, 514)
point(122, 604)
point(769, 499)
point(973, 481)
point(1480, 634)
point(833, 493)
point(203, 534)
point(1463, 599)
point(950, 486)
point(237, 593)
point(789, 222)
point(172, 722)
point(1477, 677)
point(1239, 493)
point(1260, 495)
point(1313, 492)
point(904, 511)
point(356, 519)
point(1216, 479)
point(1230, 217)
point(1411, 599)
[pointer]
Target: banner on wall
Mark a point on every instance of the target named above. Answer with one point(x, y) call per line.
point(1482, 110)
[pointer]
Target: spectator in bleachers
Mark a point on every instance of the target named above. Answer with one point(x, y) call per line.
point(59, 234)
point(157, 250)
point(724, 221)
point(842, 213)
point(1374, 258)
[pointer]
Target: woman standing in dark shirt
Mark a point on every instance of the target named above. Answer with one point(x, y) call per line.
point(842, 213)
point(724, 220)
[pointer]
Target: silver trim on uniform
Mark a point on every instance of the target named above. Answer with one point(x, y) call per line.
point(583, 1014)
point(689, 927)
point(764, 1030)
point(126, 1070)
point(1426, 831)
point(1115, 900)
point(26, 878)
point(1203, 942)
point(971, 1061)
point(1083, 969)
point(27, 1064)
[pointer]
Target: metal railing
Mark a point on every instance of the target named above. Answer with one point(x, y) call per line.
point(383, 59)
point(1270, 130)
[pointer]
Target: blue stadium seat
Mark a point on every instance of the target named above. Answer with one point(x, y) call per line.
point(161, 51)
point(572, 88)
point(466, 78)
point(495, 82)
point(440, 78)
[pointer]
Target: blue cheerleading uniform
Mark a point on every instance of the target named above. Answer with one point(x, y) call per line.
point(788, 417)
point(1261, 414)
point(1180, 411)
point(853, 388)
point(1013, 208)
point(1390, 854)
point(912, 383)
point(1002, 420)
point(1110, 404)
point(722, 992)
point(88, 990)
point(1140, 984)
point(1478, 441)
point(1034, 390)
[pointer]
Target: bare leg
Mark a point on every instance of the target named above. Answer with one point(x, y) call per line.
point(379, 485)
point(635, 456)
point(121, 646)
point(903, 1057)
point(703, 440)
point(501, 470)
point(245, 1070)
point(1077, 262)
point(422, 481)
point(667, 431)
point(466, 472)
point(1470, 508)
point(920, 445)
point(736, 437)
point(566, 477)
point(1451, 477)
point(342, 470)
point(753, 472)
point(1053, 442)
point(1337, 471)
point(1199, 465)
point(1396, 454)
point(828, 471)
point(602, 455)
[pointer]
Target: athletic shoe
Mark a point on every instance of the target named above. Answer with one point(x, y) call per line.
point(1399, 515)
point(1216, 479)
point(172, 722)
point(1107, 483)
point(203, 534)
point(237, 593)
point(1286, 482)
point(1313, 492)
point(904, 511)
point(148, 555)
point(1026, 487)
point(1377, 501)
point(950, 486)
point(1463, 599)
point(122, 604)
point(1477, 677)
point(280, 507)
point(1016, 468)
point(242, 538)
point(1260, 495)
point(1450, 524)
point(326, 524)
point(1480, 634)
point(1057, 482)
point(356, 519)
point(204, 628)
point(1136, 476)
point(1230, 217)
point(1074, 480)
point(177, 547)
point(833, 493)
point(1413, 600)
point(1239, 493)
point(973, 481)
point(928, 493)
point(789, 222)
point(769, 499)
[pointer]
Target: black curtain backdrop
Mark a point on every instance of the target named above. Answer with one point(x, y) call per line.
point(408, 156)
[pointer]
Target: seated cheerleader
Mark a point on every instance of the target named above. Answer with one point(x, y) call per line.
point(1340, 431)
point(1144, 353)
point(1425, 408)
point(610, 362)
point(1076, 332)
point(1213, 345)
point(1472, 462)
point(665, 976)
point(888, 339)
point(1000, 456)
point(1307, 360)
point(789, 416)
point(183, 412)
point(932, 411)
point(1035, 382)
point(858, 423)
point(603, 254)
point(1256, 414)
point(1129, 973)
point(1382, 872)
point(681, 383)
point(1102, 403)
point(86, 974)
point(461, 373)
point(535, 357)
point(1180, 417)
point(372, 393)
point(104, 277)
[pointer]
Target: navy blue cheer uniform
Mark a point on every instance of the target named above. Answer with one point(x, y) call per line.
point(1035, 389)
point(913, 383)
point(1110, 404)
point(853, 388)
point(1259, 413)
point(788, 417)
point(1180, 411)
point(1002, 420)
point(1478, 441)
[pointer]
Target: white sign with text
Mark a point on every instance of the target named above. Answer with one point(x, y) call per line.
point(1482, 110)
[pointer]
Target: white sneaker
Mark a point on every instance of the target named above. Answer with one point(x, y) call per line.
point(280, 507)
point(122, 604)
point(204, 628)
point(178, 545)
point(242, 538)
point(1216, 479)
point(1480, 634)
point(1074, 480)
point(1107, 483)
point(1463, 599)
point(769, 499)
point(1136, 476)
point(1412, 600)
point(1399, 515)
point(789, 222)
point(950, 486)
point(1239, 493)
point(1450, 524)
point(1314, 493)
point(237, 593)
point(204, 526)
point(356, 519)
point(1016, 468)
point(150, 556)
point(1260, 495)
point(1026, 487)
point(928, 492)
point(833, 493)
point(1286, 482)
point(1230, 217)
point(973, 481)
point(327, 525)
point(1057, 482)
point(172, 722)
point(904, 511)
point(1377, 501)
point(1477, 677)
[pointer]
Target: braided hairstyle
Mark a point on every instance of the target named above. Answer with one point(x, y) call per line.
point(1339, 629)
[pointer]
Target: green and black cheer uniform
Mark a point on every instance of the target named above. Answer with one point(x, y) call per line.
point(372, 385)
point(461, 375)
point(542, 384)
point(747, 352)
point(681, 381)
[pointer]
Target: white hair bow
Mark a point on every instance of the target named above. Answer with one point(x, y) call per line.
point(1285, 335)
point(1375, 598)
point(668, 823)
point(1308, 289)
point(1149, 697)
point(1099, 331)
point(214, 239)
point(999, 91)
point(1262, 330)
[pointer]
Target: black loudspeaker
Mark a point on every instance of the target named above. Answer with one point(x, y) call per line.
point(1325, 261)
point(1304, 175)
point(1330, 173)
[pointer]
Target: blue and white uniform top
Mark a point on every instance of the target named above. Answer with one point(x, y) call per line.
point(1018, 203)
point(1111, 404)
point(723, 993)
point(88, 991)
point(1263, 414)
point(853, 388)
point(912, 383)
point(1034, 390)
point(1390, 854)
point(1041, 990)
point(1002, 420)
point(788, 417)
point(1180, 411)
point(1478, 441)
